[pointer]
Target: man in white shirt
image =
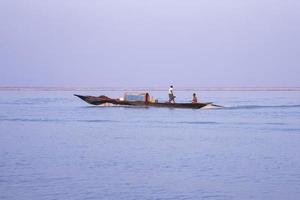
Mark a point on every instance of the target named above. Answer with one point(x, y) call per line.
point(171, 95)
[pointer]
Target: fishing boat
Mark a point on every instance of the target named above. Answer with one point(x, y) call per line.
point(140, 100)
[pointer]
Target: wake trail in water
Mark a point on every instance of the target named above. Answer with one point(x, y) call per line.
point(244, 107)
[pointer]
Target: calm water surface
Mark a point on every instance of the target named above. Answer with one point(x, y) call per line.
point(55, 146)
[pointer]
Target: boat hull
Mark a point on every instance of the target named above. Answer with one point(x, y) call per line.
point(102, 100)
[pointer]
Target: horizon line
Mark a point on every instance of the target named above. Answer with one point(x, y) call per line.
point(149, 88)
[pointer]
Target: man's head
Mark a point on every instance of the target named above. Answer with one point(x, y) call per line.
point(171, 86)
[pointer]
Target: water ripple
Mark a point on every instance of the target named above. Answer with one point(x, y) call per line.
point(197, 122)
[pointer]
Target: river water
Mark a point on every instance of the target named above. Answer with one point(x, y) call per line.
point(55, 146)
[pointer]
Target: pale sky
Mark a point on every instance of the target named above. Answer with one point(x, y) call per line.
point(203, 43)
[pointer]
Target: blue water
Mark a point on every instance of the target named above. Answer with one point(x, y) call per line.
point(55, 146)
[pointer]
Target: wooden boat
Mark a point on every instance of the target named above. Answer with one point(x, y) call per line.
point(104, 100)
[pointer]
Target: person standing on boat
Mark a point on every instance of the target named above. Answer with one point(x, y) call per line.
point(171, 95)
point(194, 99)
point(147, 98)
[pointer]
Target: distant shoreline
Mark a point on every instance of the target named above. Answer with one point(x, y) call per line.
point(242, 89)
